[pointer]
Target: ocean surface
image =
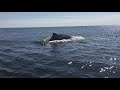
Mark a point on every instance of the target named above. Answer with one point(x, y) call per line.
point(93, 52)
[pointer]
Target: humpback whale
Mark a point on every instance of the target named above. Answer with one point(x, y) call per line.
point(56, 36)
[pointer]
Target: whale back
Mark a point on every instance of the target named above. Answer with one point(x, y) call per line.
point(56, 36)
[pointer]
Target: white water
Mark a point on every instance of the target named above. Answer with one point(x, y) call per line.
point(74, 38)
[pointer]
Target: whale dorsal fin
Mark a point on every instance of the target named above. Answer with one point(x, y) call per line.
point(54, 34)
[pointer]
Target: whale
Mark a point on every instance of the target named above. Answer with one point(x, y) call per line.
point(56, 36)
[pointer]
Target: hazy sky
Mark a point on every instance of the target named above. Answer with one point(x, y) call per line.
point(51, 19)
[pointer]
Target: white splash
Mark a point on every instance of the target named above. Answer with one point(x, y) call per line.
point(90, 62)
point(70, 63)
point(102, 70)
point(74, 38)
point(90, 65)
point(111, 59)
point(106, 68)
point(113, 71)
point(106, 77)
point(115, 58)
point(77, 38)
point(111, 67)
point(82, 66)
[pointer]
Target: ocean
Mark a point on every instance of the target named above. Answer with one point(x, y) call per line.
point(94, 52)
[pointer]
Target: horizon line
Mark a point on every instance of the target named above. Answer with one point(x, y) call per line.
point(57, 26)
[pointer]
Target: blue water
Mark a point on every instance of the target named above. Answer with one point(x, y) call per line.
point(97, 56)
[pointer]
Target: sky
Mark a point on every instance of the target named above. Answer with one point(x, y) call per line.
point(55, 19)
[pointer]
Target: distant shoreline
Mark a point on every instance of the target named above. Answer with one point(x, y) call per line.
point(56, 26)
